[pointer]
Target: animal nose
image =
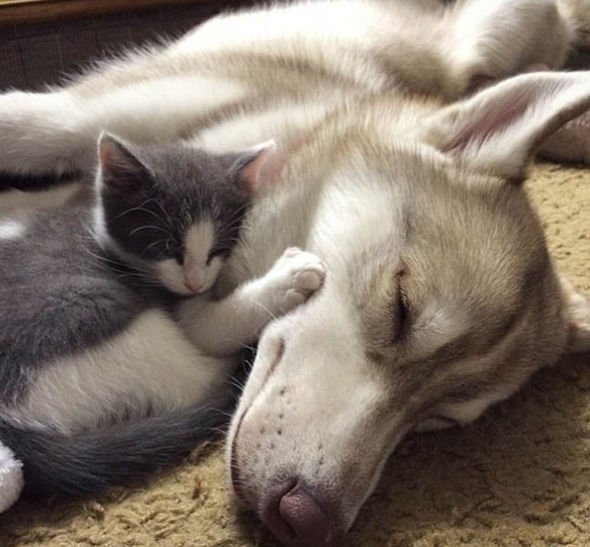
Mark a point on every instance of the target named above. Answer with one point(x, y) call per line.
point(194, 279)
point(297, 520)
point(191, 285)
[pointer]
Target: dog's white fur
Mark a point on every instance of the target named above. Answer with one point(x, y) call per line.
point(440, 298)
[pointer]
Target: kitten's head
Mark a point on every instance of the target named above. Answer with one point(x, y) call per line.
point(174, 211)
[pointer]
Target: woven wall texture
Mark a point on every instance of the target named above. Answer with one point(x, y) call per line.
point(32, 56)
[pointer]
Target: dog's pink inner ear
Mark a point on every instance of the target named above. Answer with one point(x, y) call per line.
point(488, 122)
point(499, 129)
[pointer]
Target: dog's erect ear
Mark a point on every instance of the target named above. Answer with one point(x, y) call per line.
point(498, 129)
point(578, 314)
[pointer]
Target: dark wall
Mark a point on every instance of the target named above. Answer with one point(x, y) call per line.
point(34, 55)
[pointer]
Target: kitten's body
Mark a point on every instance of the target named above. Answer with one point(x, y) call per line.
point(88, 313)
point(67, 314)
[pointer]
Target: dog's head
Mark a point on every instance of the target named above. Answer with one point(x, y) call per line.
point(441, 299)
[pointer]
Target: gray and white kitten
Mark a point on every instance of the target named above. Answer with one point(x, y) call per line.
point(84, 309)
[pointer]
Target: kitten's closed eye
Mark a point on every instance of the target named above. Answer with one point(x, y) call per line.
point(175, 250)
point(402, 317)
point(215, 252)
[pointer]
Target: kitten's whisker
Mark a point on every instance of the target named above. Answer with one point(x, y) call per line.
point(149, 227)
point(236, 216)
point(263, 307)
point(156, 216)
point(239, 386)
point(123, 270)
point(226, 414)
point(221, 430)
point(154, 243)
point(169, 219)
point(132, 209)
point(248, 347)
point(105, 259)
point(168, 222)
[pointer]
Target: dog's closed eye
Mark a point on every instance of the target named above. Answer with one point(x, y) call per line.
point(402, 309)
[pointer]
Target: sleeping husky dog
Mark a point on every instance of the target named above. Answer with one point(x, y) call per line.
point(406, 130)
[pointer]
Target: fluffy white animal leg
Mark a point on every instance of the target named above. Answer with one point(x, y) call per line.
point(11, 478)
point(39, 133)
point(493, 39)
point(56, 132)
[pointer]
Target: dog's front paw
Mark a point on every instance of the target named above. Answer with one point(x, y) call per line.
point(293, 279)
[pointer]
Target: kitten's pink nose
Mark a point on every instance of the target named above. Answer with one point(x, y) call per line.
point(194, 280)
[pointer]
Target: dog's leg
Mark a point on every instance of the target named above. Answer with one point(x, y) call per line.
point(40, 133)
point(56, 132)
point(488, 40)
point(571, 143)
point(224, 327)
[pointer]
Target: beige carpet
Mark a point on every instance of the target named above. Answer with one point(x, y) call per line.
point(519, 476)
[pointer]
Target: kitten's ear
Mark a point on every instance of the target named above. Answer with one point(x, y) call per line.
point(119, 167)
point(499, 129)
point(257, 166)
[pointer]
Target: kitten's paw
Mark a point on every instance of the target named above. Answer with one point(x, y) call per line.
point(294, 278)
point(11, 478)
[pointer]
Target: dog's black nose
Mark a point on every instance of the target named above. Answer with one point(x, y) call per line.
point(297, 520)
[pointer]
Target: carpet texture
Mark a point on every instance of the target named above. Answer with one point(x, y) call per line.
point(519, 476)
